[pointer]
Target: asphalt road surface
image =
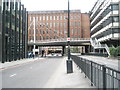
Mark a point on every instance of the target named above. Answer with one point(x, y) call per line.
point(31, 75)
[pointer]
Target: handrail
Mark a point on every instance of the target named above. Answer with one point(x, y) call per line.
point(97, 44)
point(100, 75)
point(61, 39)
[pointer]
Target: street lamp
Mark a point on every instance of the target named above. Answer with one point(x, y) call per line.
point(69, 62)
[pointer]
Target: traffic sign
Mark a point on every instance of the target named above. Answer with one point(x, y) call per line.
point(68, 39)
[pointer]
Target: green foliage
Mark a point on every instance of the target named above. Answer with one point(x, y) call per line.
point(115, 51)
point(118, 50)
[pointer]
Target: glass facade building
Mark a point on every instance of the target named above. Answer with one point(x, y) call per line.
point(14, 31)
point(105, 23)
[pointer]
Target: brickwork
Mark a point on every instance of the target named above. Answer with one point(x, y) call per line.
point(53, 24)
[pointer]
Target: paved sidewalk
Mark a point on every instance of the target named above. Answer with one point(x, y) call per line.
point(16, 63)
point(61, 79)
point(112, 63)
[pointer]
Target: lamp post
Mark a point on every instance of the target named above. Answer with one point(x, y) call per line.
point(34, 36)
point(69, 62)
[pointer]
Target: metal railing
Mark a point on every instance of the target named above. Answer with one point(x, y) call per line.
point(98, 45)
point(60, 39)
point(100, 76)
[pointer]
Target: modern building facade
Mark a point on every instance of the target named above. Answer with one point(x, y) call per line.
point(51, 25)
point(105, 24)
point(14, 31)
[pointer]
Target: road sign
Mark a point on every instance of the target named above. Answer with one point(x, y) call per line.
point(68, 39)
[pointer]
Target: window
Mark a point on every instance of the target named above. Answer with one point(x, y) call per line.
point(50, 17)
point(54, 17)
point(43, 17)
point(116, 19)
point(47, 17)
point(36, 31)
point(53, 24)
point(116, 31)
point(57, 17)
point(40, 18)
point(60, 17)
point(115, 7)
point(65, 17)
point(61, 24)
point(50, 24)
point(36, 18)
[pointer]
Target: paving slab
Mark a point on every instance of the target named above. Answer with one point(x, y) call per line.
point(61, 79)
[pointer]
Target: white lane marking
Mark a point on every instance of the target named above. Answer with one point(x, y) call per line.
point(13, 75)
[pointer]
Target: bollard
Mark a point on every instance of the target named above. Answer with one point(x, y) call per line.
point(69, 66)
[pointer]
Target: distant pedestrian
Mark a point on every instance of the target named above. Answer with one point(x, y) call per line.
point(32, 54)
point(42, 53)
point(45, 53)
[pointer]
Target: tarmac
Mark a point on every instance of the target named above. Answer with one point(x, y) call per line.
point(60, 79)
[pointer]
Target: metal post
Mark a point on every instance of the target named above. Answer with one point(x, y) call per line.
point(104, 77)
point(91, 74)
point(34, 36)
point(63, 50)
point(1, 30)
point(69, 62)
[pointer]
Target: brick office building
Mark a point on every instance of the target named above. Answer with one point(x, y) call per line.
point(53, 25)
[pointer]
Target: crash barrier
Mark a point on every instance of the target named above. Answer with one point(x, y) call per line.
point(100, 76)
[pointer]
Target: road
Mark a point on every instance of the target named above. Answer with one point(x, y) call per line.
point(30, 75)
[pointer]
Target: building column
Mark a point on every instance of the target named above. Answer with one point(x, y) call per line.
point(86, 49)
point(1, 30)
point(3, 34)
point(99, 51)
point(19, 31)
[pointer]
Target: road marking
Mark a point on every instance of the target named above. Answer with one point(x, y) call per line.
point(12, 75)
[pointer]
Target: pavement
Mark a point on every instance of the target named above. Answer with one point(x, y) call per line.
point(109, 62)
point(16, 63)
point(59, 79)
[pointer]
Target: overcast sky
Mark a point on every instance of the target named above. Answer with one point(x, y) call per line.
point(35, 5)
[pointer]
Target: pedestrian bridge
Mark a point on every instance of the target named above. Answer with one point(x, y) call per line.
point(60, 42)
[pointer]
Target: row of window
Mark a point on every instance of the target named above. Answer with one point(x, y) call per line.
point(108, 32)
point(72, 17)
point(54, 37)
point(41, 32)
point(105, 23)
point(56, 25)
point(106, 11)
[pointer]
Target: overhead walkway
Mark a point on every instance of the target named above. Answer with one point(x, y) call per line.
point(61, 42)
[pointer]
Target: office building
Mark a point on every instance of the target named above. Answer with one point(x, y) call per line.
point(14, 31)
point(105, 25)
point(51, 25)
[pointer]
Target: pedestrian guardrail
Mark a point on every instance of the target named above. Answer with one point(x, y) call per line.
point(59, 39)
point(100, 76)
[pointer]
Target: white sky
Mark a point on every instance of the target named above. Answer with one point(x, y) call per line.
point(35, 5)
